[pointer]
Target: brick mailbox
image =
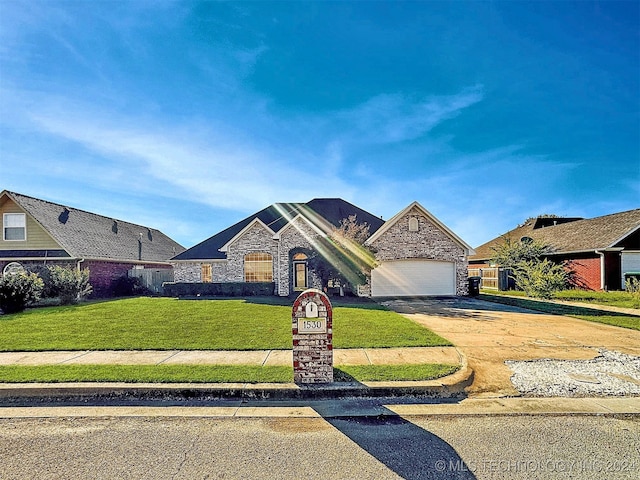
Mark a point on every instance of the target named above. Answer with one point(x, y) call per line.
point(312, 327)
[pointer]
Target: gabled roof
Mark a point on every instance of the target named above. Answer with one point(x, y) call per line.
point(572, 236)
point(389, 223)
point(276, 217)
point(88, 235)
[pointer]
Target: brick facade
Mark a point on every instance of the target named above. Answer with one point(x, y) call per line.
point(257, 239)
point(298, 236)
point(430, 242)
point(586, 273)
point(312, 352)
point(398, 242)
point(101, 273)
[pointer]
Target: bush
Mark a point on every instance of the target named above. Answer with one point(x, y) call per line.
point(19, 290)
point(126, 286)
point(540, 279)
point(231, 289)
point(69, 284)
point(633, 286)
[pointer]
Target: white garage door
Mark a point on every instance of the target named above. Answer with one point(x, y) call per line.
point(413, 278)
point(630, 263)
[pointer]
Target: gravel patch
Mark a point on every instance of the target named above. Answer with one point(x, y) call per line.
point(609, 374)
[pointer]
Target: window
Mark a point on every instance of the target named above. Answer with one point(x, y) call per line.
point(258, 267)
point(413, 224)
point(12, 268)
point(205, 272)
point(14, 227)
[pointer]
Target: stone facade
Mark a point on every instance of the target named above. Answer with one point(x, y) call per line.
point(257, 239)
point(428, 242)
point(397, 242)
point(298, 236)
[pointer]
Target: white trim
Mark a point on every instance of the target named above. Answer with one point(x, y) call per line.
point(4, 226)
point(225, 247)
point(630, 232)
point(392, 221)
point(315, 228)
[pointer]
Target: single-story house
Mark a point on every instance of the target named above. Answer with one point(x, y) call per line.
point(36, 232)
point(415, 254)
point(599, 251)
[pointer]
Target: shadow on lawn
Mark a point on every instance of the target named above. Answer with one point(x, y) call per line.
point(552, 308)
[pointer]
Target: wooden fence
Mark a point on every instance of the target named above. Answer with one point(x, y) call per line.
point(153, 278)
point(493, 278)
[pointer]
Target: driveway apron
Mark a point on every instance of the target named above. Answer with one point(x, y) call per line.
point(489, 334)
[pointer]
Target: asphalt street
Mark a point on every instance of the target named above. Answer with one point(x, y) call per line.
point(382, 447)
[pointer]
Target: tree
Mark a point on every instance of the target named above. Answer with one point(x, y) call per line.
point(341, 256)
point(538, 277)
point(18, 290)
point(511, 253)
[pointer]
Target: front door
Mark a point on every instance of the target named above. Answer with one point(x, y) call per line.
point(299, 271)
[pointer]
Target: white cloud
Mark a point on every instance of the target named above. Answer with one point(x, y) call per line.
point(396, 118)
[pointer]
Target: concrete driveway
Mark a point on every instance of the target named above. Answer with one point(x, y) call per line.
point(489, 334)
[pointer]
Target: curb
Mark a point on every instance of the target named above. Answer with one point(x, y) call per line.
point(451, 386)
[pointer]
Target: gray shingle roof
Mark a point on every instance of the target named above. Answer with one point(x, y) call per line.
point(276, 217)
point(88, 235)
point(577, 235)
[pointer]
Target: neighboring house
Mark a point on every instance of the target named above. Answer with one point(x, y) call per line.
point(599, 251)
point(36, 232)
point(415, 253)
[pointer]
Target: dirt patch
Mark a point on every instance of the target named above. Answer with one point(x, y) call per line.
point(490, 334)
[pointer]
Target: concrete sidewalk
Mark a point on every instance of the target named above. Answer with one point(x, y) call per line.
point(445, 387)
point(356, 356)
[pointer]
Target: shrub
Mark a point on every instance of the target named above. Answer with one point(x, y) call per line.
point(231, 289)
point(19, 290)
point(633, 286)
point(69, 284)
point(540, 279)
point(126, 286)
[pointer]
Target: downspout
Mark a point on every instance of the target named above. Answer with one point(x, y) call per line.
point(602, 280)
point(278, 271)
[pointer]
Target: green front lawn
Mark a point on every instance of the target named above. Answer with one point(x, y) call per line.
point(613, 299)
point(589, 314)
point(211, 373)
point(170, 324)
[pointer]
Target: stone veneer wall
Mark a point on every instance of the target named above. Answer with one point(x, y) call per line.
point(295, 236)
point(191, 272)
point(429, 242)
point(187, 272)
point(256, 239)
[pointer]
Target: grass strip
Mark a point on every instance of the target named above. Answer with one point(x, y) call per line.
point(584, 313)
point(392, 373)
point(210, 373)
point(170, 324)
point(613, 298)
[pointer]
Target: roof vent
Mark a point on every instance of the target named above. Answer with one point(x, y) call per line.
point(149, 235)
point(114, 227)
point(64, 216)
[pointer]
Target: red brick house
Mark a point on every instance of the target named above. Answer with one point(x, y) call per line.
point(36, 232)
point(599, 251)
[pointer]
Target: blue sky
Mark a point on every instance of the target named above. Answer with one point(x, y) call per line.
point(188, 116)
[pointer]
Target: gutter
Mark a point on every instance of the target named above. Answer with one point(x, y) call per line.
point(602, 280)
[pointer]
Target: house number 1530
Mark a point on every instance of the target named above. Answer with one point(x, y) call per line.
point(312, 326)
